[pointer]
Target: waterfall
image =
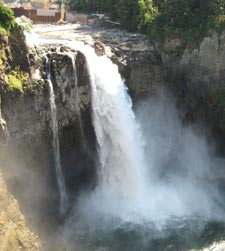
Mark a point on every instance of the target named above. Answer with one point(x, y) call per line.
point(145, 191)
point(55, 143)
point(121, 172)
point(127, 190)
point(4, 133)
point(78, 101)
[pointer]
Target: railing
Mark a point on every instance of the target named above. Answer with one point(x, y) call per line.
point(32, 14)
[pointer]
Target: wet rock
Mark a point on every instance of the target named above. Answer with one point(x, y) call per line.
point(99, 48)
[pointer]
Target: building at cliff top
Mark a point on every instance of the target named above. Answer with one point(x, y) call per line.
point(39, 11)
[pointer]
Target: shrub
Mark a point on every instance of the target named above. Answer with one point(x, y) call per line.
point(7, 19)
point(14, 83)
point(24, 23)
point(217, 23)
point(17, 79)
point(188, 19)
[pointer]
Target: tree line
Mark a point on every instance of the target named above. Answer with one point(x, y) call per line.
point(160, 18)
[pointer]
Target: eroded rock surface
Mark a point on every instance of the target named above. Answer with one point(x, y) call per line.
point(14, 233)
point(196, 76)
point(136, 55)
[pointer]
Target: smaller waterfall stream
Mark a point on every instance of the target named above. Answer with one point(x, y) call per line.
point(55, 143)
point(4, 133)
point(78, 101)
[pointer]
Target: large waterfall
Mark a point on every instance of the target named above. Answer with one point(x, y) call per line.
point(122, 173)
point(55, 143)
point(155, 176)
point(130, 189)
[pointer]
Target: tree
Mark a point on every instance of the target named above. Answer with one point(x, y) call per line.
point(148, 12)
point(128, 14)
point(7, 19)
point(186, 19)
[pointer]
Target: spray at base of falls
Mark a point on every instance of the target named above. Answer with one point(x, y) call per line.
point(55, 142)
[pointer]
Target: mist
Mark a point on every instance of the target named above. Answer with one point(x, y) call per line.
point(181, 192)
point(182, 165)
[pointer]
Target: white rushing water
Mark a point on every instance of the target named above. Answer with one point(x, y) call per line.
point(161, 178)
point(145, 189)
point(122, 173)
point(55, 143)
point(129, 186)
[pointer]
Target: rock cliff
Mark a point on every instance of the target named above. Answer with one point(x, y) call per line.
point(26, 153)
point(14, 233)
point(138, 59)
point(197, 78)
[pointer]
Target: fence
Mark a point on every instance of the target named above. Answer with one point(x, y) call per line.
point(39, 16)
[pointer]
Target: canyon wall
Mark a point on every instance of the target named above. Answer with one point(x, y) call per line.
point(194, 76)
point(26, 153)
point(14, 233)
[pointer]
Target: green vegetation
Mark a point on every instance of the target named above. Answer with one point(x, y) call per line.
point(189, 19)
point(7, 20)
point(162, 19)
point(14, 83)
point(17, 79)
point(24, 23)
point(218, 98)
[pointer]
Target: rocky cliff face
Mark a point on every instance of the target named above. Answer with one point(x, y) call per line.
point(197, 78)
point(13, 54)
point(27, 116)
point(26, 154)
point(14, 233)
point(138, 59)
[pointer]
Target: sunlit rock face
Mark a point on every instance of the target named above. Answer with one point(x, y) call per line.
point(14, 51)
point(27, 152)
point(14, 233)
point(138, 59)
